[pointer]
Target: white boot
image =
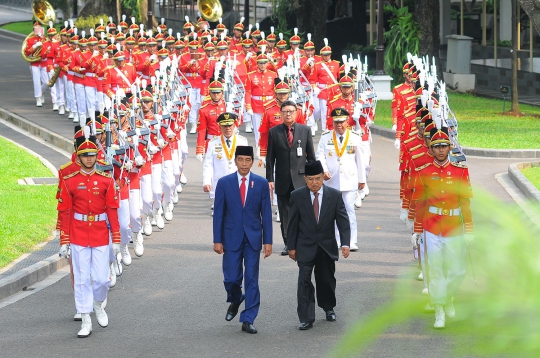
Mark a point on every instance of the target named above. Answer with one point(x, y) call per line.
point(77, 317)
point(75, 118)
point(249, 127)
point(313, 130)
point(101, 315)
point(258, 153)
point(193, 128)
point(126, 257)
point(62, 110)
point(138, 247)
point(440, 317)
point(183, 179)
point(420, 276)
point(175, 196)
point(71, 114)
point(43, 98)
point(277, 216)
point(112, 275)
point(403, 214)
point(117, 266)
point(425, 291)
point(366, 190)
point(147, 226)
point(159, 219)
point(55, 107)
point(86, 326)
point(449, 309)
point(358, 199)
point(39, 103)
point(179, 188)
point(168, 211)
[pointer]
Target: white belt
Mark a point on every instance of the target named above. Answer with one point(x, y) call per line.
point(262, 98)
point(191, 74)
point(78, 74)
point(444, 212)
point(145, 77)
point(115, 88)
point(100, 78)
point(84, 217)
point(90, 74)
point(71, 73)
point(321, 85)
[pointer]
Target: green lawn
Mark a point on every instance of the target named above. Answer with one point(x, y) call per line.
point(481, 123)
point(25, 27)
point(27, 213)
point(533, 174)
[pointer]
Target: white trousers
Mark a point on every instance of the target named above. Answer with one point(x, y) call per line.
point(348, 198)
point(90, 262)
point(36, 79)
point(157, 188)
point(365, 145)
point(45, 77)
point(70, 94)
point(322, 110)
point(446, 266)
point(195, 101)
point(124, 219)
point(135, 209)
point(60, 85)
point(80, 94)
point(91, 99)
point(316, 110)
point(167, 180)
point(176, 166)
point(146, 193)
point(183, 142)
point(256, 122)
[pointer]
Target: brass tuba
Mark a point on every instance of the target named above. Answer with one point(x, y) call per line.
point(211, 10)
point(43, 11)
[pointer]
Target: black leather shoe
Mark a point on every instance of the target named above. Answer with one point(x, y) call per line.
point(232, 311)
point(304, 326)
point(285, 251)
point(249, 328)
point(330, 315)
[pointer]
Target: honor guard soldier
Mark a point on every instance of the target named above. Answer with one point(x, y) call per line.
point(339, 152)
point(443, 220)
point(207, 127)
point(325, 74)
point(87, 205)
point(219, 159)
point(120, 76)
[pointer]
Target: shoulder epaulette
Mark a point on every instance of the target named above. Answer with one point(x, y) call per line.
point(355, 132)
point(204, 105)
point(249, 73)
point(423, 167)
point(459, 165)
point(106, 175)
point(215, 138)
point(336, 97)
point(272, 71)
point(416, 156)
point(325, 132)
point(71, 175)
point(66, 165)
point(128, 64)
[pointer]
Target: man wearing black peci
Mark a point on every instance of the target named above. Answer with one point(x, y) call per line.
point(290, 146)
point(311, 240)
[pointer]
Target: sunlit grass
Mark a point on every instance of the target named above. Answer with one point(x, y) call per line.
point(482, 124)
point(27, 213)
point(533, 174)
point(25, 27)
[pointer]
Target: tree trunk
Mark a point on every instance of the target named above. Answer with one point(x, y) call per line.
point(427, 16)
point(532, 8)
point(97, 7)
point(311, 17)
point(515, 101)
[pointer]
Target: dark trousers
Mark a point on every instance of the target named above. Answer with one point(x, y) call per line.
point(283, 208)
point(233, 274)
point(325, 280)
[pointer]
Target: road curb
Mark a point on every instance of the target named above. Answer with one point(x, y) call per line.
point(48, 136)
point(521, 181)
point(30, 275)
point(14, 35)
point(476, 152)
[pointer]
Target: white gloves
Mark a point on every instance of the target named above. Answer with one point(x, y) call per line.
point(95, 53)
point(65, 251)
point(161, 143)
point(263, 160)
point(410, 224)
point(153, 58)
point(128, 166)
point(415, 239)
point(193, 61)
point(116, 248)
point(170, 133)
point(248, 55)
point(397, 144)
point(152, 149)
point(403, 214)
point(310, 61)
point(37, 44)
point(468, 238)
point(105, 55)
point(199, 157)
point(122, 134)
point(250, 112)
point(186, 108)
point(394, 127)
point(139, 160)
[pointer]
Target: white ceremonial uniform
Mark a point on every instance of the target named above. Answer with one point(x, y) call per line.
point(346, 171)
point(216, 164)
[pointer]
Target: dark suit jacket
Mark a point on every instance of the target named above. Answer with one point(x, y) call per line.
point(232, 221)
point(305, 235)
point(288, 165)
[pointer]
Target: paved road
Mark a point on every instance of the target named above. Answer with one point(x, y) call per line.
point(173, 301)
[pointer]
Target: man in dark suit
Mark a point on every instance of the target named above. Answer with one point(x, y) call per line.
point(289, 147)
point(312, 242)
point(242, 224)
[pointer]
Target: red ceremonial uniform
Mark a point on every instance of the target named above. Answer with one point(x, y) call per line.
point(113, 80)
point(207, 127)
point(419, 158)
point(259, 90)
point(29, 50)
point(323, 78)
point(192, 70)
point(270, 118)
point(83, 197)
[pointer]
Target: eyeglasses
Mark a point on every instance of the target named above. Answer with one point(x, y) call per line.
point(287, 113)
point(314, 179)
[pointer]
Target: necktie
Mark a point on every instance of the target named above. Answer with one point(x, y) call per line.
point(341, 139)
point(290, 136)
point(243, 191)
point(316, 206)
point(228, 141)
